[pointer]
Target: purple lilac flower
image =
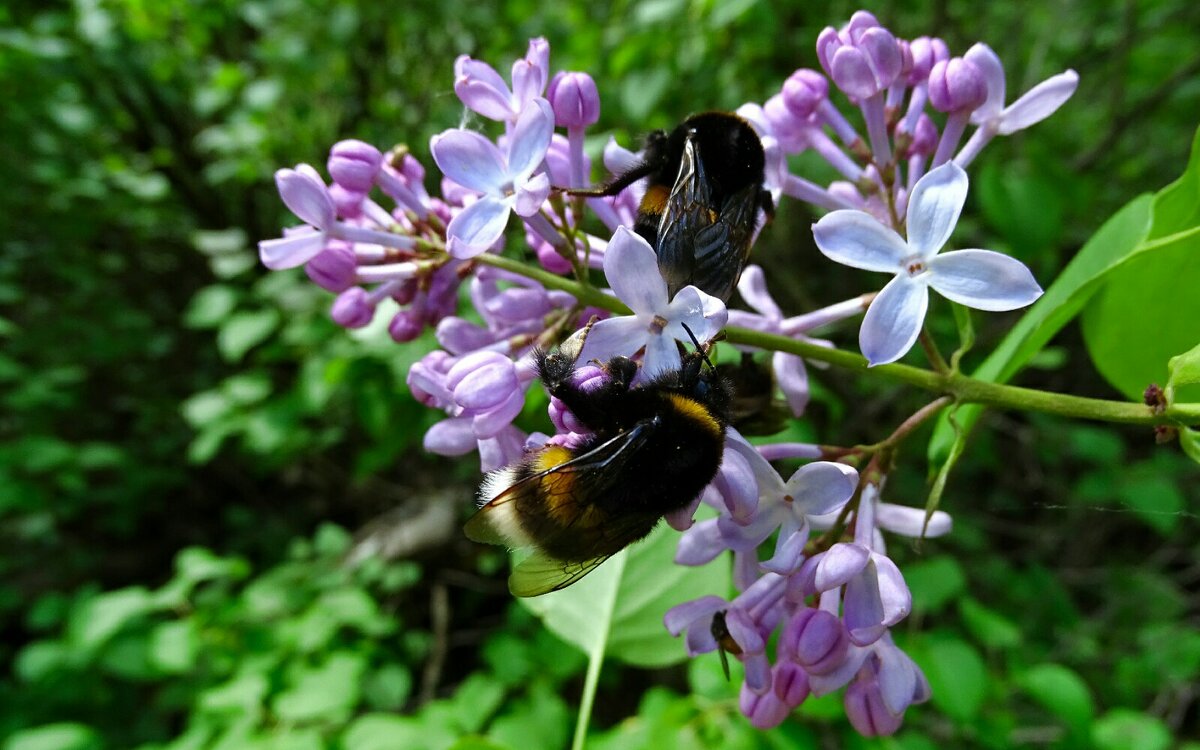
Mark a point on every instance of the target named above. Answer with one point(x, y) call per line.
point(982, 279)
point(657, 322)
point(506, 181)
point(483, 90)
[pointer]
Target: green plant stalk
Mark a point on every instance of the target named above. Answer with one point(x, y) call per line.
point(963, 388)
point(595, 661)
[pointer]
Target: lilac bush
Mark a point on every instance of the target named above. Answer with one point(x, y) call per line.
point(825, 587)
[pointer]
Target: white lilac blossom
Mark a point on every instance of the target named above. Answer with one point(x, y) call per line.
point(506, 181)
point(657, 322)
point(826, 592)
point(982, 279)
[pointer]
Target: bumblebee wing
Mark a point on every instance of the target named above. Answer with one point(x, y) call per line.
point(540, 574)
point(497, 522)
point(700, 242)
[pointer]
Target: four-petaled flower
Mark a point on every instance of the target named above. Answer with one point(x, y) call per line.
point(657, 321)
point(505, 180)
point(982, 279)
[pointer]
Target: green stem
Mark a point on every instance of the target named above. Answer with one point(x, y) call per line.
point(962, 388)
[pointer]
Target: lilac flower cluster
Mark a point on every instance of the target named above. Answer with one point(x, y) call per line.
point(827, 587)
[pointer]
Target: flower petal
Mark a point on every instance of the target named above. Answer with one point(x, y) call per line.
point(478, 226)
point(306, 196)
point(897, 678)
point(291, 251)
point(827, 683)
point(983, 279)
point(893, 321)
point(821, 487)
point(910, 522)
point(933, 208)
point(532, 194)
point(450, 437)
point(893, 591)
point(662, 356)
point(789, 549)
point(703, 313)
point(613, 337)
point(839, 564)
point(489, 423)
point(863, 608)
point(753, 288)
point(792, 378)
point(700, 544)
point(530, 139)
point(1039, 102)
point(857, 239)
point(631, 268)
point(469, 159)
point(988, 63)
point(681, 616)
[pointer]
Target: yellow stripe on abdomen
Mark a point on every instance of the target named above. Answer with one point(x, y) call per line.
point(696, 412)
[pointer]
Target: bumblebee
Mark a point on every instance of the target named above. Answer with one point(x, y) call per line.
point(701, 205)
point(653, 448)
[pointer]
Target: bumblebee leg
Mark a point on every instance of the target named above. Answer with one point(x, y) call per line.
point(767, 204)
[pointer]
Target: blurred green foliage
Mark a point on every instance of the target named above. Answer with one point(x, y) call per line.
point(165, 402)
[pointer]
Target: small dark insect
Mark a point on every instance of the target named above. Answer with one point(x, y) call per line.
point(701, 205)
point(653, 449)
point(725, 642)
point(754, 410)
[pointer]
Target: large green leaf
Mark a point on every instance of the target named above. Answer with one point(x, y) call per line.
point(1139, 229)
point(619, 607)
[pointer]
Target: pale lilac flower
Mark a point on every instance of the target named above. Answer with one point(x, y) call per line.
point(982, 279)
point(305, 194)
point(993, 118)
point(816, 488)
point(631, 268)
point(483, 90)
point(506, 181)
point(886, 681)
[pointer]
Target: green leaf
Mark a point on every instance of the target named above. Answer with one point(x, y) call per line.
point(1063, 300)
point(173, 646)
point(988, 626)
point(1062, 692)
point(388, 688)
point(210, 306)
point(1183, 369)
point(1136, 230)
point(956, 674)
point(1126, 729)
point(934, 582)
point(476, 699)
point(388, 732)
point(1153, 495)
point(622, 602)
point(61, 736)
point(99, 618)
point(245, 330)
point(1189, 440)
point(329, 692)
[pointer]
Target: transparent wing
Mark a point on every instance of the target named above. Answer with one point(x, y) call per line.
point(540, 574)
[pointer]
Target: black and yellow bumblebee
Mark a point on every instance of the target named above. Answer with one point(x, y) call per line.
point(704, 192)
point(653, 448)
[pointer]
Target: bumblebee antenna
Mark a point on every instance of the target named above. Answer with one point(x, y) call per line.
point(699, 348)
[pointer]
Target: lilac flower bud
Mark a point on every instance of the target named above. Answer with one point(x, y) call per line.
point(867, 712)
point(863, 58)
point(816, 640)
point(349, 203)
point(585, 378)
point(790, 684)
point(482, 380)
point(550, 258)
point(334, 268)
point(575, 100)
point(461, 336)
point(406, 291)
point(787, 127)
point(442, 297)
point(405, 327)
point(764, 711)
point(353, 165)
point(427, 379)
point(352, 308)
point(956, 85)
point(924, 55)
point(804, 91)
point(924, 138)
